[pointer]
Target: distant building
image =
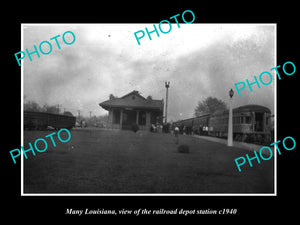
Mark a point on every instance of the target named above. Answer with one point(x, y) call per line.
point(131, 109)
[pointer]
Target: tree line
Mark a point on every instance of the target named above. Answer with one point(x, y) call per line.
point(35, 107)
point(98, 121)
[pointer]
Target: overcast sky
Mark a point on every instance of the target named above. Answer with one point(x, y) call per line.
point(199, 60)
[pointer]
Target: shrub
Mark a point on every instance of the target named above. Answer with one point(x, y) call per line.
point(251, 138)
point(183, 149)
point(134, 127)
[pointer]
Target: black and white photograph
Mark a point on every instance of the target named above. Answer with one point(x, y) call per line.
point(150, 111)
point(129, 109)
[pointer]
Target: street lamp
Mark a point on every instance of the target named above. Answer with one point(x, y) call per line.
point(167, 85)
point(231, 92)
point(229, 140)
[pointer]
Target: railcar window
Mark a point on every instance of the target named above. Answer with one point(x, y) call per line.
point(246, 119)
point(236, 120)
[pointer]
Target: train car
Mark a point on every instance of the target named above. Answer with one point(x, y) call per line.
point(200, 125)
point(41, 120)
point(251, 123)
point(196, 125)
point(185, 126)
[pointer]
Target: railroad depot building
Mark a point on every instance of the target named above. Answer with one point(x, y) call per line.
point(131, 109)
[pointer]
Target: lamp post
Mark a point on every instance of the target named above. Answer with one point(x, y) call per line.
point(229, 140)
point(167, 85)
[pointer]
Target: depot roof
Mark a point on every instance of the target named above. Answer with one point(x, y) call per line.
point(132, 100)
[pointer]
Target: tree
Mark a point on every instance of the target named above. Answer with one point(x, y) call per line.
point(67, 113)
point(209, 106)
point(32, 106)
point(51, 109)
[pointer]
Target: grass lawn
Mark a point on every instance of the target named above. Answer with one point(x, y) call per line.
point(113, 161)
